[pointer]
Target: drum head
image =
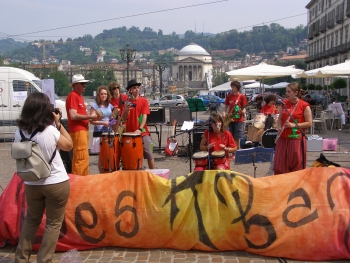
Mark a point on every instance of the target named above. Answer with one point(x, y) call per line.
point(130, 134)
point(110, 134)
point(268, 138)
point(259, 125)
point(200, 155)
point(218, 154)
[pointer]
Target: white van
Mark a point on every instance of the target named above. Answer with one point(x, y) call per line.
point(16, 80)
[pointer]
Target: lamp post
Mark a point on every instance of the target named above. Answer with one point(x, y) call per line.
point(160, 66)
point(127, 55)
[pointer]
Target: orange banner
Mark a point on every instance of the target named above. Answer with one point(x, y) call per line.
point(302, 215)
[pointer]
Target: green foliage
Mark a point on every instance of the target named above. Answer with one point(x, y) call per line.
point(271, 39)
point(318, 87)
point(61, 83)
point(311, 86)
point(98, 78)
point(219, 78)
point(339, 84)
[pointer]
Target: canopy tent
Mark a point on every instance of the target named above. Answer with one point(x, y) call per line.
point(223, 87)
point(257, 85)
point(280, 85)
point(327, 72)
point(263, 71)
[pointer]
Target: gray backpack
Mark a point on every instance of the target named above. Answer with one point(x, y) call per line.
point(30, 162)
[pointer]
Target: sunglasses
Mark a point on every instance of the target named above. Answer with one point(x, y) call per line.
point(114, 88)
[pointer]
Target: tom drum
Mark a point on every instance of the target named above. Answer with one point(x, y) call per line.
point(268, 138)
point(259, 121)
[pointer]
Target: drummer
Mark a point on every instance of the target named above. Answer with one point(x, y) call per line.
point(218, 139)
point(269, 108)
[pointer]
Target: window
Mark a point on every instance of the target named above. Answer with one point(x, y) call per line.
point(19, 85)
point(346, 34)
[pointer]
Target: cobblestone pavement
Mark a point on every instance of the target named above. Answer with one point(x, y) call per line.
point(178, 166)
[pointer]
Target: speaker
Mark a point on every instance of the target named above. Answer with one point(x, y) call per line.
point(197, 137)
point(180, 114)
point(157, 115)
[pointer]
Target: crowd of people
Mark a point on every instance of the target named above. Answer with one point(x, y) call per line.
point(120, 113)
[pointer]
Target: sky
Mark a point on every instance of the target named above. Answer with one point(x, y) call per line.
point(28, 20)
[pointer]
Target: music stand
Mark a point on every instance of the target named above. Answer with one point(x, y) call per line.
point(254, 155)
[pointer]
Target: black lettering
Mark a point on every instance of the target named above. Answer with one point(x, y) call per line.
point(120, 210)
point(80, 223)
point(307, 203)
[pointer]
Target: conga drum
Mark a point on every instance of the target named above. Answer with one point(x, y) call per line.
point(218, 157)
point(131, 149)
point(110, 152)
point(259, 121)
point(200, 160)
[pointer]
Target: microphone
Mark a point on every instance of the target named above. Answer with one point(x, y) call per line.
point(211, 120)
point(279, 101)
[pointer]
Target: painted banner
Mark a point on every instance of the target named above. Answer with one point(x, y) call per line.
point(301, 215)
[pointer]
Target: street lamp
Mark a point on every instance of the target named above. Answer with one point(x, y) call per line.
point(127, 55)
point(160, 66)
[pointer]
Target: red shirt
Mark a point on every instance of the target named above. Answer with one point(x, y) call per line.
point(231, 102)
point(133, 123)
point(298, 115)
point(266, 109)
point(225, 138)
point(76, 102)
point(115, 102)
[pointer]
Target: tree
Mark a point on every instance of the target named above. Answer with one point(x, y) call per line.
point(160, 32)
point(219, 77)
point(339, 84)
point(61, 83)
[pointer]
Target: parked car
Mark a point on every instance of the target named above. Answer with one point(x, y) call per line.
point(211, 99)
point(169, 100)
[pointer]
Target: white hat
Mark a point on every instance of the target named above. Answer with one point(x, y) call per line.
point(79, 78)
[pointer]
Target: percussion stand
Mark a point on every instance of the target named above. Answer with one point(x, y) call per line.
point(111, 144)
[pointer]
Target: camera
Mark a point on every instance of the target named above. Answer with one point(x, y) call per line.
point(55, 110)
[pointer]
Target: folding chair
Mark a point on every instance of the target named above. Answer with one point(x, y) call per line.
point(321, 120)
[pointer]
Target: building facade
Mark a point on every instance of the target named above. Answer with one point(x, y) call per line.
point(191, 64)
point(328, 34)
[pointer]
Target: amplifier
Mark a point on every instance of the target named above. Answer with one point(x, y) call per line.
point(180, 114)
point(157, 115)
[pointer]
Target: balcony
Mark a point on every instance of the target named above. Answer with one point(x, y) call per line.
point(348, 8)
point(323, 24)
point(332, 51)
point(348, 45)
point(316, 28)
point(330, 23)
point(310, 34)
point(339, 17)
point(342, 48)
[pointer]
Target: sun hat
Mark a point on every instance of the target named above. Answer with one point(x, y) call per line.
point(131, 83)
point(79, 78)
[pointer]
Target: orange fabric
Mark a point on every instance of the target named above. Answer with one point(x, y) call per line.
point(302, 215)
point(80, 161)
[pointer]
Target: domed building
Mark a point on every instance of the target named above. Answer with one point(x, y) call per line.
point(191, 64)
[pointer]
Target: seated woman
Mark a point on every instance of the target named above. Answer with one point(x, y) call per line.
point(217, 139)
point(269, 108)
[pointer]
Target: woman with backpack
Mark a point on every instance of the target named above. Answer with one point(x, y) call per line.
point(51, 193)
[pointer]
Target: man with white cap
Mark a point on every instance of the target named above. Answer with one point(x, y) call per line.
point(78, 123)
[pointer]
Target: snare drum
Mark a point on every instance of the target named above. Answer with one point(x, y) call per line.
point(268, 138)
point(131, 150)
point(259, 121)
point(110, 152)
point(200, 159)
point(218, 157)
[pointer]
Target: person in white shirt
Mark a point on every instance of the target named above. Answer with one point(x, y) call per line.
point(52, 193)
point(337, 110)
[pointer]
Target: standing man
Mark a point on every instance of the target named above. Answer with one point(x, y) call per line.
point(235, 103)
point(312, 104)
point(78, 124)
point(137, 118)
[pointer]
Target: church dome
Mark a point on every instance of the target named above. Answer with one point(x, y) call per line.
point(193, 49)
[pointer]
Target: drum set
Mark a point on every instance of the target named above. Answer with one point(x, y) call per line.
point(217, 160)
point(258, 133)
point(126, 150)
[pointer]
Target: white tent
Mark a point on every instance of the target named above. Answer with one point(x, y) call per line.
point(280, 85)
point(263, 71)
point(223, 87)
point(257, 85)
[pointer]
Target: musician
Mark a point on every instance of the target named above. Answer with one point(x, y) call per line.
point(233, 100)
point(136, 117)
point(269, 108)
point(117, 97)
point(101, 106)
point(218, 139)
point(258, 104)
point(290, 151)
